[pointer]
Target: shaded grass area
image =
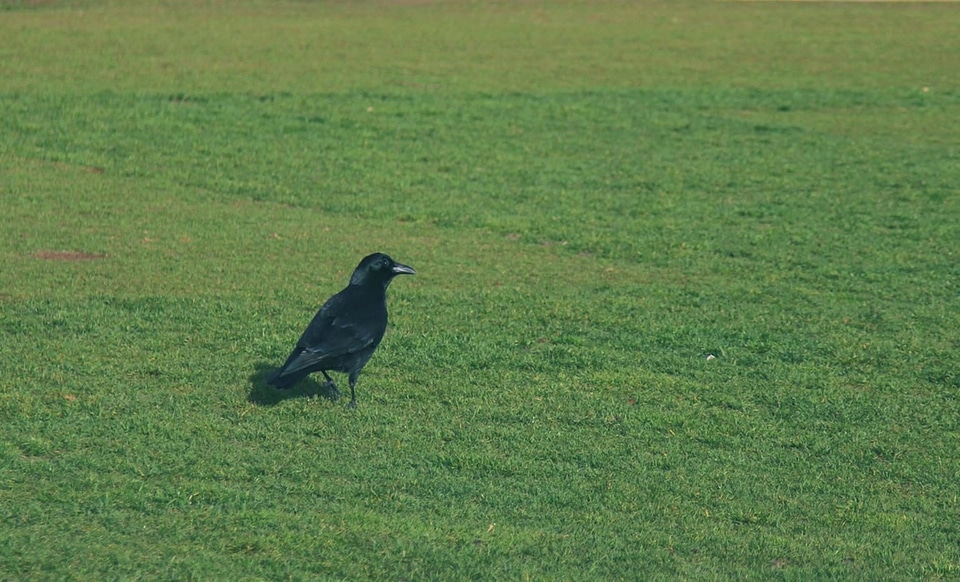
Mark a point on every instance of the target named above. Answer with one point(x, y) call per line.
point(543, 404)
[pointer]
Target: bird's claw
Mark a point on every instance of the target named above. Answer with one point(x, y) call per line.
point(331, 389)
point(352, 404)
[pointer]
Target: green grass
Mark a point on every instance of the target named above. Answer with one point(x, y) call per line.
point(596, 196)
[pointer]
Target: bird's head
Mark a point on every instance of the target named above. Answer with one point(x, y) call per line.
point(380, 268)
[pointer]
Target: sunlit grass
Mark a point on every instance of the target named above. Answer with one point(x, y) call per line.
point(686, 303)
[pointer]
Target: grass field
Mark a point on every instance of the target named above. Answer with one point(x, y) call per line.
point(687, 303)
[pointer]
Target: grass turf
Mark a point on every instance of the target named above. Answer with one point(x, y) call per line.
point(597, 197)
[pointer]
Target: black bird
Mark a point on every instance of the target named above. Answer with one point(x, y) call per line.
point(346, 330)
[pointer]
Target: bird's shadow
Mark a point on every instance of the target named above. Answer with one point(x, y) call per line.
point(262, 394)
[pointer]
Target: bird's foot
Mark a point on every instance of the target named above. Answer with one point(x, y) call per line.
point(352, 404)
point(331, 390)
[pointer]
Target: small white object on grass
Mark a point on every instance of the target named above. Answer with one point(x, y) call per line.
point(711, 357)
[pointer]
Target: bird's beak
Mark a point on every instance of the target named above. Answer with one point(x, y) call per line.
point(399, 269)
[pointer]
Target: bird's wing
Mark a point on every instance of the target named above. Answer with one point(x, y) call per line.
point(335, 331)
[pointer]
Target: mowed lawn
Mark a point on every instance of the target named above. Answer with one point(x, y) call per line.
point(687, 302)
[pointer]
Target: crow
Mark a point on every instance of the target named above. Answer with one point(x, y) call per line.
point(348, 328)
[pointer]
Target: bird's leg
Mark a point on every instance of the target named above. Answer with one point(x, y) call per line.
point(329, 385)
point(353, 395)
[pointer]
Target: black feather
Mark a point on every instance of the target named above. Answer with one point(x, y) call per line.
point(348, 328)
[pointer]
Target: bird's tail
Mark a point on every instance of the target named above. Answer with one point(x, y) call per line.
point(283, 381)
